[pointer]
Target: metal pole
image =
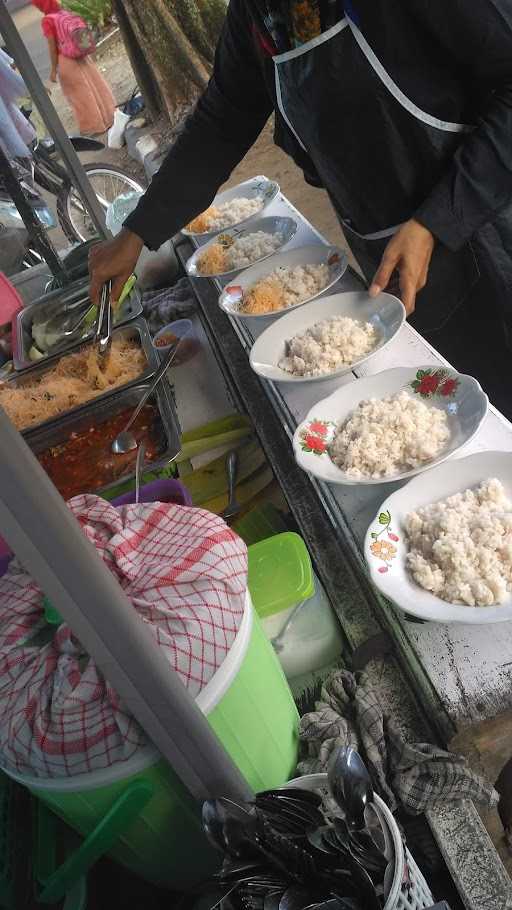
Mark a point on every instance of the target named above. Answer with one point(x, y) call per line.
point(39, 95)
point(34, 227)
point(51, 545)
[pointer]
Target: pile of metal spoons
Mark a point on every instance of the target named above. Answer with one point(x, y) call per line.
point(283, 852)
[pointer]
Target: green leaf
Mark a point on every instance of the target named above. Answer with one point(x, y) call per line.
point(374, 535)
point(384, 518)
point(415, 384)
point(421, 373)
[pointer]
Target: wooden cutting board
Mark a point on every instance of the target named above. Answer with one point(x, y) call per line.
point(487, 746)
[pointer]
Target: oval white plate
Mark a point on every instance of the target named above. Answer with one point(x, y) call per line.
point(385, 313)
point(387, 564)
point(314, 254)
point(249, 189)
point(465, 407)
point(272, 224)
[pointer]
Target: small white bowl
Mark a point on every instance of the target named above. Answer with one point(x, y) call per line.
point(465, 407)
point(272, 224)
point(313, 254)
point(385, 313)
point(249, 189)
point(387, 565)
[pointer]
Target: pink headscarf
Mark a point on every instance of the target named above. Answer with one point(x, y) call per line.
point(47, 6)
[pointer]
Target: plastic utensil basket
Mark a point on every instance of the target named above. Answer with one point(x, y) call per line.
point(409, 890)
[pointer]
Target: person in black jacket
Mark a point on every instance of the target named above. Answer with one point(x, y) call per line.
point(402, 111)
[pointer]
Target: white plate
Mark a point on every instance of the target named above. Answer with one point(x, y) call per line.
point(249, 189)
point(272, 224)
point(465, 407)
point(314, 254)
point(387, 565)
point(385, 313)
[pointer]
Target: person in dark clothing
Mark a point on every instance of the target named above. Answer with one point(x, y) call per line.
point(402, 111)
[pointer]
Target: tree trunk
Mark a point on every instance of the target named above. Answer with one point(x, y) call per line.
point(176, 39)
point(141, 69)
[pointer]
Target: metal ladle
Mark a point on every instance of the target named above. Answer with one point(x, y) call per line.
point(278, 642)
point(125, 441)
point(138, 470)
point(233, 507)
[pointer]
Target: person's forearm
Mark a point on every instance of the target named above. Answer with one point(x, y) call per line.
point(200, 161)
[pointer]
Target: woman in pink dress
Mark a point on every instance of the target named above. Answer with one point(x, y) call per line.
point(82, 83)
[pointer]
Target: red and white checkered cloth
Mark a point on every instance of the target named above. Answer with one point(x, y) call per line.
point(185, 573)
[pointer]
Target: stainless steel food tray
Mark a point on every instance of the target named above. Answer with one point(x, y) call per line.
point(135, 329)
point(53, 435)
point(54, 303)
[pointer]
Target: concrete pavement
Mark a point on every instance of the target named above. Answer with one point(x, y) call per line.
point(28, 23)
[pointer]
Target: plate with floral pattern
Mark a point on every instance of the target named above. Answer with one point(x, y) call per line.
point(255, 188)
point(459, 396)
point(385, 547)
point(314, 254)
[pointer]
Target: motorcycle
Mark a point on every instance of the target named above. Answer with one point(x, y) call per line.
point(45, 171)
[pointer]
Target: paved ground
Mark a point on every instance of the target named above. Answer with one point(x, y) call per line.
point(28, 23)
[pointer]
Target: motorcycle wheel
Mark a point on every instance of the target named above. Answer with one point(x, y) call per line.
point(108, 182)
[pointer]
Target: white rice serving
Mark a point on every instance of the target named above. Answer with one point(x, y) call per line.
point(301, 281)
point(285, 287)
point(328, 345)
point(252, 247)
point(234, 211)
point(460, 548)
point(387, 436)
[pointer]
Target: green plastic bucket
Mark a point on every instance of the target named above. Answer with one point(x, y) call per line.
point(250, 707)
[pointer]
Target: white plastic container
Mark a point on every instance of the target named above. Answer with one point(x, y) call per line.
point(313, 638)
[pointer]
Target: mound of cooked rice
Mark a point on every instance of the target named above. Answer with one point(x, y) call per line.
point(460, 548)
point(75, 379)
point(387, 436)
point(285, 287)
point(328, 345)
point(228, 254)
point(225, 215)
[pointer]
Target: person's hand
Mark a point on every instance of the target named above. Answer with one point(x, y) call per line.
point(113, 260)
point(409, 252)
point(53, 75)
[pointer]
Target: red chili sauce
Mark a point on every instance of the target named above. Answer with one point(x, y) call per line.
point(84, 462)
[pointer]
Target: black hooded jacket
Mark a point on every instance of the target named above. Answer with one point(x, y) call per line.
point(453, 58)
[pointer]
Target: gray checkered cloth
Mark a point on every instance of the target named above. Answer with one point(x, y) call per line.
point(418, 776)
point(162, 307)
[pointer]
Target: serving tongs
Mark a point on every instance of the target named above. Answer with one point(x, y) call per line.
point(72, 325)
point(103, 336)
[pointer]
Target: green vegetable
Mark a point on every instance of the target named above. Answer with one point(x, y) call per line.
point(217, 427)
point(207, 443)
point(255, 484)
point(210, 481)
point(35, 353)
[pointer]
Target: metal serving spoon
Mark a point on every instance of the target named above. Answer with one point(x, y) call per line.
point(350, 785)
point(232, 508)
point(125, 441)
point(139, 465)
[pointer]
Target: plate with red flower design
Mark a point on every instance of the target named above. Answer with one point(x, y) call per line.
point(386, 546)
point(458, 395)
